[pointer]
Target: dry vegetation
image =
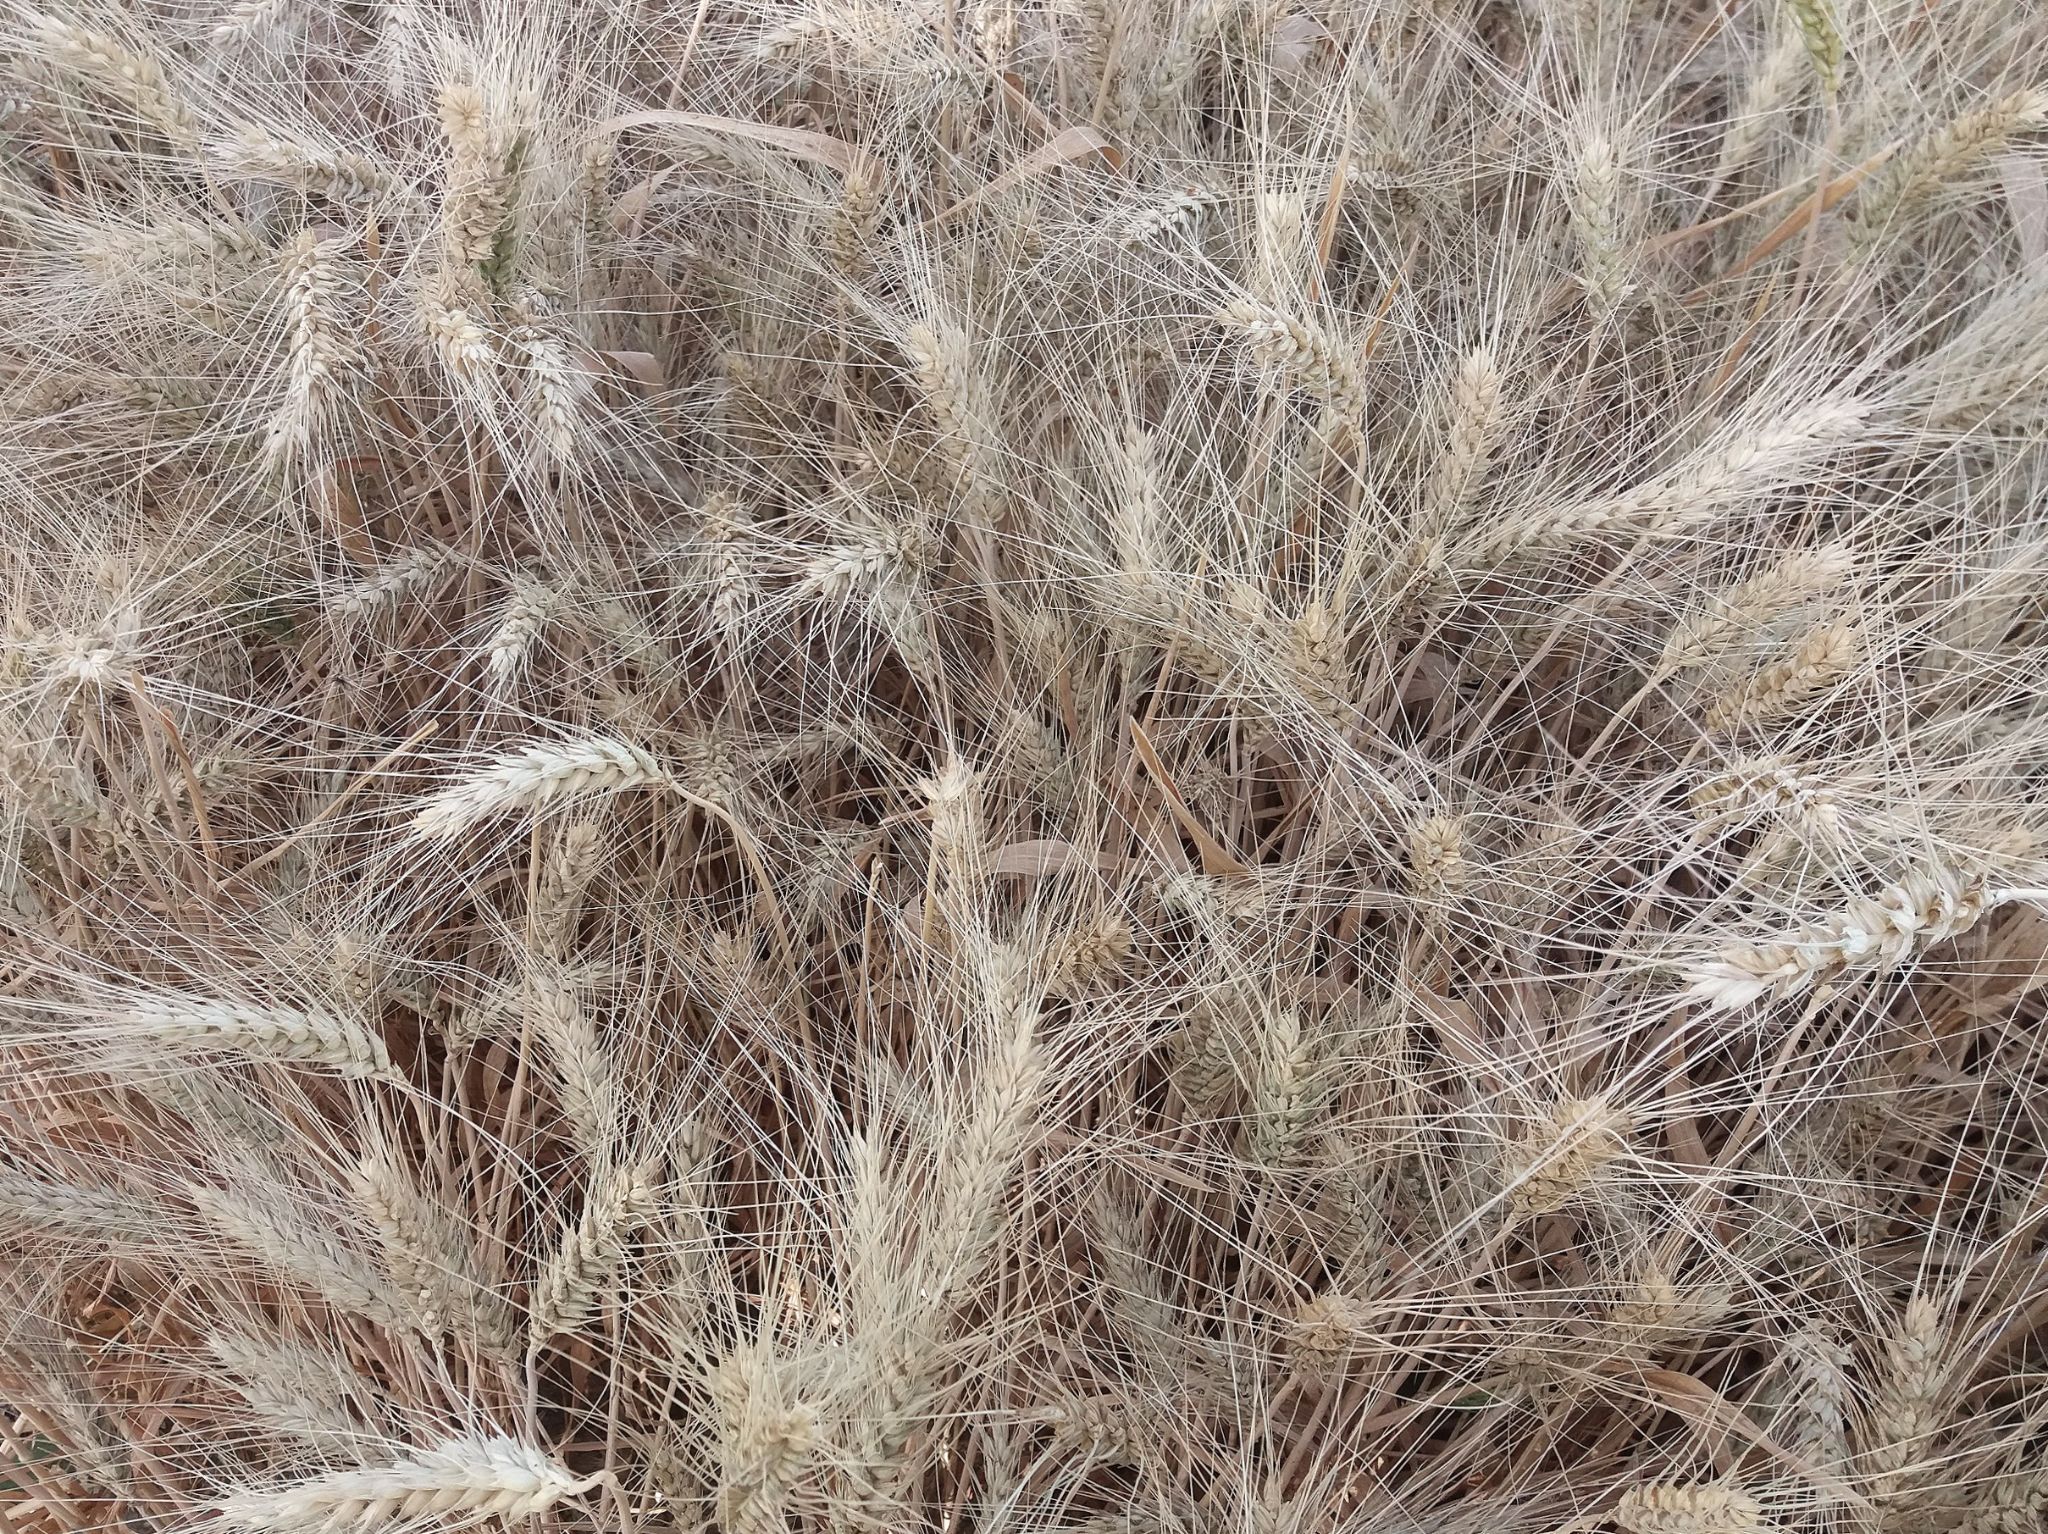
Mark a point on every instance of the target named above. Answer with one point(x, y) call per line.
point(1254, 766)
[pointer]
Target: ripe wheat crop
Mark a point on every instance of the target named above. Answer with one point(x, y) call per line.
point(1024, 766)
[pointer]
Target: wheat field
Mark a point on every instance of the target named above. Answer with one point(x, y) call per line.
point(1024, 766)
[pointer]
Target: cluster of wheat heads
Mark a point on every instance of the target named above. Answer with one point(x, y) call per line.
point(1023, 765)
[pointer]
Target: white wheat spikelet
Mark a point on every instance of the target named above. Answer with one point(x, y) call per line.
point(579, 1275)
point(1926, 907)
point(456, 1482)
point(537, 776)
point(260, 1032)
point(320, 355)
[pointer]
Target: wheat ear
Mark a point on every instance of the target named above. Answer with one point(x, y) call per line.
point(1928, 906)
point(265, 1033)
point(456, 1482)
point(536, 776)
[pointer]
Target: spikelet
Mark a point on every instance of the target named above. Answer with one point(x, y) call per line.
point(1437, 870)
point(306, 1256)
point(942, 367)
point(1672, 1508)
point(1079, 959)
point(534, 778)
point(1940, 160)
point(133, 79)
point(557, 389)
point(1928, 906)
point(1298, 353)
point(1593, 191)
point(1815, 20)
point(68, 1209)
point(1728, 618)
point(320, 356)
point(763, 1439)
point(1822, 659)
point(1328, 1329)
point(450, 312)
point(475, 205)
point(339, 175)
point(953, 794)
point(583, 1076)
point(1283, 1095)
point(427, 1255)
point(582, 1273)
point(1203, 1062)
point(1469, 435)
point(1561, 1154)
point(182, 1020)
point(573, 860)
point(855, 222)
point(1820, 1406)
point(525, 616)
point(292, 1391)
point(412, 572)
point(1175, 213)
point(457, 1482)
point(1097, 1429)
point(1756, 786)
point(978, 1163)
point(1750, 463)
point(1908, 1410)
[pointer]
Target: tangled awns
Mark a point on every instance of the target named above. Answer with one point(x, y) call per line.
point(1023, 766)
